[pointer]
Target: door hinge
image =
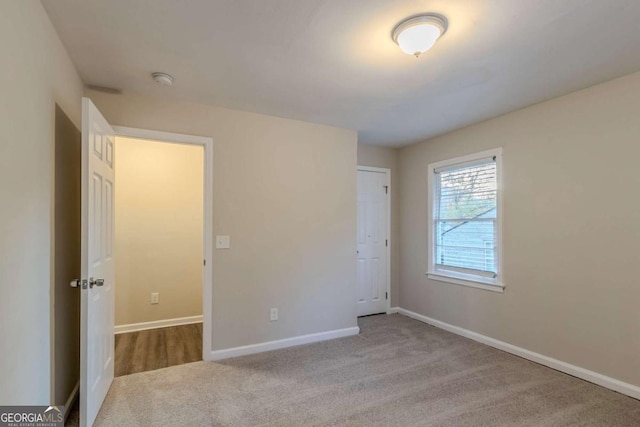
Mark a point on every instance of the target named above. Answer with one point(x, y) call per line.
point(204, 262)
point(386, 295)
point(386, 242)
point(386, 189)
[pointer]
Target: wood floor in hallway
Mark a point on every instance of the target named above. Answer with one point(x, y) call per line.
point(157, 348)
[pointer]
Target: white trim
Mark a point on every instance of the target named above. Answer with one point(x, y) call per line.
point(455, 164)
point(475, 283)
point(284, 343)
point(448, 276)
point(393, 310)
point(374, 169)
point(576, 371)
point(143, 326)
point(464, 160)
point(155, 135)
point(387, 173)
point(207, 273)
point(71, 400)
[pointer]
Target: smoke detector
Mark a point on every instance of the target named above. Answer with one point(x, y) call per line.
point(163, 79)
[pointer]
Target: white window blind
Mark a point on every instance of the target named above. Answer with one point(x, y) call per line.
point(465, 218)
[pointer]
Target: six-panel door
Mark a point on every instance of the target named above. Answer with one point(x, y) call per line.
point(372, 241)
point(97, 300)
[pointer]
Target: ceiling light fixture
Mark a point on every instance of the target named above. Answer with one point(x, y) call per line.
point(163, 79)
point(418, 34)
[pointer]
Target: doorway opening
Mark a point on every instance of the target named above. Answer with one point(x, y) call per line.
point(94, 236)
point(159, 247)
point(65, 301)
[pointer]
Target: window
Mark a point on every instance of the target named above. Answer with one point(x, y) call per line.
point(465, 216)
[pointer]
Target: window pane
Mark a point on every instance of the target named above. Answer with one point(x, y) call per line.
point(466, 244)
point(465, 217)
point(468, 192)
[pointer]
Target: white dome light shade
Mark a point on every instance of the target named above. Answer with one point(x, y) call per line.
point(418, 39)
point(417, 35)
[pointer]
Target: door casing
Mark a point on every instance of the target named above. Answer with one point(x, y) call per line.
point(207, 276)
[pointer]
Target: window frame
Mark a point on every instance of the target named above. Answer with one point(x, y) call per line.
point(451, 275)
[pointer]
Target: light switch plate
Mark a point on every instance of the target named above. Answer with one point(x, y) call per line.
point(223, 242)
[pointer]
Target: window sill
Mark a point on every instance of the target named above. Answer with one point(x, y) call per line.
point(498, 287)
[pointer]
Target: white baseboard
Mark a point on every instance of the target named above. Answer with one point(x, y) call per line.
point(585, 374)
point(71, 400)
point(133, 327)
point(287, 342)
point(393, 310)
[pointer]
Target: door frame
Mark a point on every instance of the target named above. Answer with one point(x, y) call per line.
point(387, 173)
point(207, 277)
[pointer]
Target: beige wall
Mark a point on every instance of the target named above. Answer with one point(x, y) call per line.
point(571, 230)
point(285, 191)
point(36, 73)
point(158, 232)
point(383, 157)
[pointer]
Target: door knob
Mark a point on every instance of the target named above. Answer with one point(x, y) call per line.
point(77, 283)
point(95, 282)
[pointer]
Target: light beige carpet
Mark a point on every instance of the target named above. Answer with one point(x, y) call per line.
point(397, 372)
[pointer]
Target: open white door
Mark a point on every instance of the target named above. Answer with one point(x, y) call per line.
point(97, 286)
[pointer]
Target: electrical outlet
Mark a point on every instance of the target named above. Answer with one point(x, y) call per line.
point(155, 298)
point(274, 314)
point(223, 242)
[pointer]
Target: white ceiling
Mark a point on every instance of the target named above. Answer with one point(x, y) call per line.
point(333, 61)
